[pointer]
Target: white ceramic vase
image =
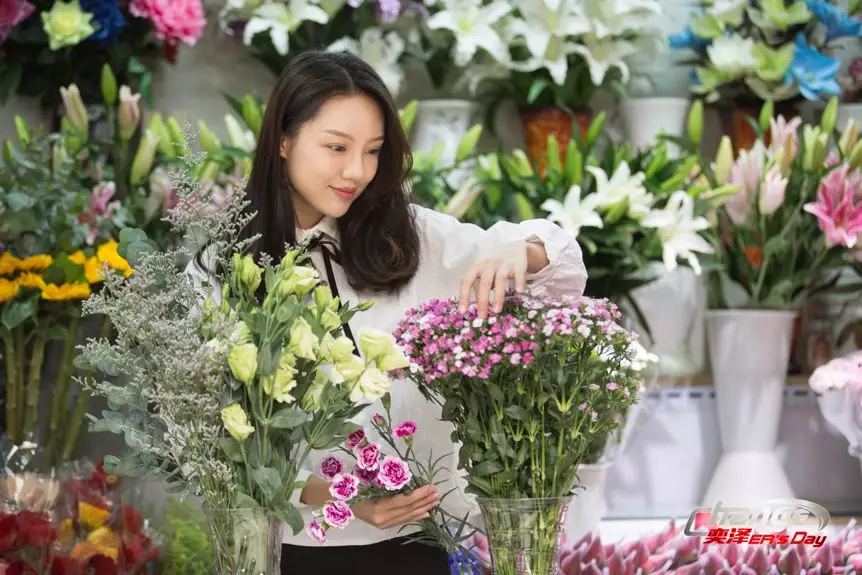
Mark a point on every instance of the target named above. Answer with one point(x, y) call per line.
point(749, 355)
point(646, 118)
point(673, 306)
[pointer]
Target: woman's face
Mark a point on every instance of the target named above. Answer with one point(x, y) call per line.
point(333, 157)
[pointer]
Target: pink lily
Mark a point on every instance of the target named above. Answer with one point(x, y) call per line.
point(838, 215)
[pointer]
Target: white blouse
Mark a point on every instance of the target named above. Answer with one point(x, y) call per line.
point(448, 249)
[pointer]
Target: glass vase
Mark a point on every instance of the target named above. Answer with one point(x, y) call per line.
point(245, 541)
point(525, 535)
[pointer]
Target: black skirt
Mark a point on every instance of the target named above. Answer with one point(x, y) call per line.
point(392, 557)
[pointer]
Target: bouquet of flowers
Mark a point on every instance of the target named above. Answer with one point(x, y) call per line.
point(530, 391)
point(797, 211)
point(56, 246)
point(52, 43)
point(231, 383)
point(625, 208)
point(375, 30)
point(748, 51)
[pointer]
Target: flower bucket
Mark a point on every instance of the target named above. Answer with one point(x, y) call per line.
point(539, 123)
point(245, 541)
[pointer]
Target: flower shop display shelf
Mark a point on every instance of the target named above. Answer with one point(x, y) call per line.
point(675, 447)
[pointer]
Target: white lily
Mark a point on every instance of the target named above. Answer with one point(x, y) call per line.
point(281, 20)
point(729, 11)
point(615, 17)
point(622, 185)
point(381, 52)
point(602, 54)
point(732, 55)
point(555, 59)
point(472, 25)
point(575, 212)
point(546, 20)
point(678, 229)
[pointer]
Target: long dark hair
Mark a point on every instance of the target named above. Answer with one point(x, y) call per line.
point(379, 240)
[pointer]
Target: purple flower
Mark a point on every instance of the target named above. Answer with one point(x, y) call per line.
point(405, 429)
point(388, 10)
point(316, 531)
point(394, 473)
point(368, 457)
point(355, 439)
point(344, 487)
point(330, 467)
point(337, 514)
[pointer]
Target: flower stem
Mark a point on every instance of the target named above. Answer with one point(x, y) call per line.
point(18, 436)
point(32, 408)
point(60, 399)
point(11, 386)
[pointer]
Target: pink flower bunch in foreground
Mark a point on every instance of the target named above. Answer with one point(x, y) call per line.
point(839, 373)
point(441, 341)
point(372, 469)
point(839, 207)
point(673, 552)
point(174, 20)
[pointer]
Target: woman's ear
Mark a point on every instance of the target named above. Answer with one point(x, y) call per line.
point(284, 148)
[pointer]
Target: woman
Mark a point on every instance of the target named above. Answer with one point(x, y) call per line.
point(331, 162)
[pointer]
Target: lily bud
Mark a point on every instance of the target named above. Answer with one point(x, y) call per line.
point(809, 136)
point(574, 164)
point(251, 114)
point(596, 128)
point(407, 115)
point(552, 154)
point(525, 168)
point(468, 143)
point(772, 192)
point(766, 114)
point(849, 137)
point(177, 135)
point(58, 156)
point(236, 134)
point(830, 116)
point(821, 148)
point(209, 141)
point(524, 207)
point(23, 131)
point(75, 110)
point(463, 199)
point(158, 127)
point(109, 85)
point(855, 158)
point(9, 154)
point(144, 158)
point(129, 114)
point(695, 122)
point(491, 166)
point(724, 160)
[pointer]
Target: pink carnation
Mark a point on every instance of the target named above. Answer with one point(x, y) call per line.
point(405, 429)
point(378, 419)
point(394, 473)
point(173, 20)
point(365, 477)
point(337, 514)
point(330, 467)
point(368, 457)
point(316, 531)
point(344, 487)
point(355, 439)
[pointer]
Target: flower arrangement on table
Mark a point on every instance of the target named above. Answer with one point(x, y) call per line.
point(797, 211)
point(87, 526)
point(233, 382)
point(749, 52)
point(375, 30)
point(528, 390)
point(52, 43)
point(626, 208)
point(56, 246)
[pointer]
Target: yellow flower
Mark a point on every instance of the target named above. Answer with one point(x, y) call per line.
point(66, 24)
point(91, 515)
point(243, 362)
point(31, 280)
point(66, 532)
point(35, 263)
point(235, 422)
point(8, 289)
point(93, 270)
point(78, 257)
point(65, 292)
point(106, 541)
point(107, 253)
point(8, 264)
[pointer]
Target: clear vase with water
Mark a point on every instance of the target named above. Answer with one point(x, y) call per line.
point(245, 541)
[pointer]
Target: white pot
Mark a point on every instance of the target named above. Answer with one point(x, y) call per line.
point(847, 112)
point(673, 306)
point(590, 505)
point(646, 118)
point(749, 354)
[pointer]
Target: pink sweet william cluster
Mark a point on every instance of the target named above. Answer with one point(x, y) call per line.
point(441, 341)
point(372, 471)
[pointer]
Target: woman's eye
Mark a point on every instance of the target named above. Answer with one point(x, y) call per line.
point(375, 152)
point(336, 148)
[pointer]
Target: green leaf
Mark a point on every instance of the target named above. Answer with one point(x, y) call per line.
point(288, 418)
point(517, 412)
point(449, 408)
point(18, 201)
point(487, 468)
point(291, 516)
point(244, 501)
point(495, 392)
point(536, 90)
point(17, 312)
point(231, 448)
point(269, 481)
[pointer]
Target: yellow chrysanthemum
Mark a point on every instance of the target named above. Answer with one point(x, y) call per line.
point(92, 516)
point(78, 258)
point(35, 263)
point(106, 541)
point(107, 253)
point(66, 532)
point(8, 289)
point(65, 292)
point(8, 264)
point(31, 280)
point(93, 270)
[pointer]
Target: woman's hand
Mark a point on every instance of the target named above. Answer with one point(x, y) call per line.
point(493, 272)
point(399, 509)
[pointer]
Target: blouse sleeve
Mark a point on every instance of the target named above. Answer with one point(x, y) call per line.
point(450, 247)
